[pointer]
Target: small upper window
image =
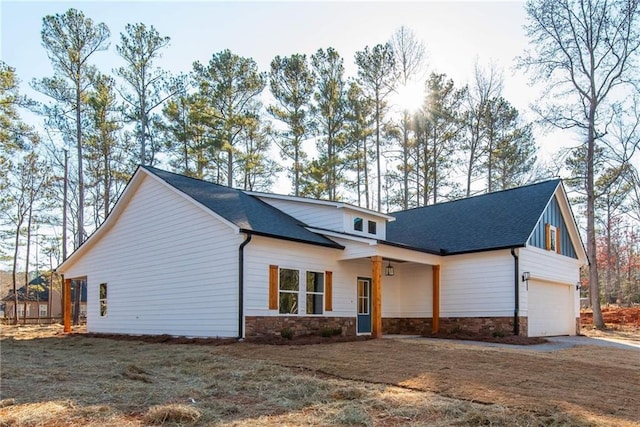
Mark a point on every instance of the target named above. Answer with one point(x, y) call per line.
point(103, 299)
point(357, 223)
point(372, 227)
point(552, 238)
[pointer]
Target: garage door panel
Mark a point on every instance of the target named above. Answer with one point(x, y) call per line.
point(550, 309)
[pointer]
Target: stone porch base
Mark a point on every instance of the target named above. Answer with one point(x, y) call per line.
point(474, 325)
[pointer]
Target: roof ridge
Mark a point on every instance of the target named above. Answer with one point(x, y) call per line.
point(476, 196)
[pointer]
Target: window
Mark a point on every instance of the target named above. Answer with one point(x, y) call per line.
point(552, 238)
point(357, 223)
point(289, 284)
point(20, 310)
point(372, 227)
point(43, 310)
point(315, 292)
point(103, 299)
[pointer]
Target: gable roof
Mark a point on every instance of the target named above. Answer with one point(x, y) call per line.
point(248, 213)
point(500, 220)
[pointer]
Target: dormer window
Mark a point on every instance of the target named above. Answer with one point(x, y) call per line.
point(372, 227)
point(357, 223)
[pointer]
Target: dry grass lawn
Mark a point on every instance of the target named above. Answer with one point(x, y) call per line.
point(49, 379)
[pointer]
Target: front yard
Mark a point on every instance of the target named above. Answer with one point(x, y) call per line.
point(49, 379)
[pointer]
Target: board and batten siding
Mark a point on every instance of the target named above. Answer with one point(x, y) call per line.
point(477, 285)
point(170, 267)
point(409, 293)
point(263, 252)
point(550, 267)
point(553, 215)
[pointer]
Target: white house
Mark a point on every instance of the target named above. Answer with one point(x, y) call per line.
point(186, 257)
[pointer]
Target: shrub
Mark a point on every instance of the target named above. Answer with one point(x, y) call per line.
point(286, 333)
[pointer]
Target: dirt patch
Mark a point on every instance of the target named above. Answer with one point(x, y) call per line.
point(612, 315)
point(81, 380)
point(621, 323)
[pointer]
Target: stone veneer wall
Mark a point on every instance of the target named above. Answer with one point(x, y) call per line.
point(577, 326)
point(475, 325)
point(260, 326)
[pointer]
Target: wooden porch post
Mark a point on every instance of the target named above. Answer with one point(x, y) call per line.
point(435, 321)
point(66, 306)
point(376, 295)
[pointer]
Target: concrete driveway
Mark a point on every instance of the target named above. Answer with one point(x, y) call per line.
point(556, 343)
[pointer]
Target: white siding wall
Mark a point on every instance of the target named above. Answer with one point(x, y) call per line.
point(409, 293)
point(548, 266)
point(477, 285)
point(262, 252)
point(329, 217)
point(170, 268)
point(312, 214)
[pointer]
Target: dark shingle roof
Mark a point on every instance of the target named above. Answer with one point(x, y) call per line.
point(248, 213)
point(497, 220)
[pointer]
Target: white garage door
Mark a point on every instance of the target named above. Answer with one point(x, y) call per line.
point(551, 309)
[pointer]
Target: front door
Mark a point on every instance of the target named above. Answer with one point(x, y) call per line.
point(364, 305)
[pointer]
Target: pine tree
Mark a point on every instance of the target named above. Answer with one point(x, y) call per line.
point(291, 82)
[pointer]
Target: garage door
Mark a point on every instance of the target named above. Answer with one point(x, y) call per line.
point(551, 309)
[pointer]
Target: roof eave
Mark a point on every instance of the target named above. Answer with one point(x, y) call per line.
point(332, 245)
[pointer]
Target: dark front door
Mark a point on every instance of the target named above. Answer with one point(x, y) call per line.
point(364, 305)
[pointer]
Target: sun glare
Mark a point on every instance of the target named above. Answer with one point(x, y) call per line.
point(410, 97)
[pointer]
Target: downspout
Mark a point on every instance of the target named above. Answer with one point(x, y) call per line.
point(516, 288)
point(241, 285)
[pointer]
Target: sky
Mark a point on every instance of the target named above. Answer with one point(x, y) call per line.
point(456, 34)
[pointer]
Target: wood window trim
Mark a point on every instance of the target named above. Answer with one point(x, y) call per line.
point(328, 291)
point(274, 271)
point(273, 287)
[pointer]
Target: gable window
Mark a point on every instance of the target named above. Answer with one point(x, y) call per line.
point(315, 292)
point(103, 299)
point(552, 238)
point(372, 227)
point(357, 224)
point(288, 287)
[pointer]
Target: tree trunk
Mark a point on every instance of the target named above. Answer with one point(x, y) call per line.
point(379, 170)
point(28, 254)
point(65, 183)
point(405, 162)
point(594, 286)
point(80, 230)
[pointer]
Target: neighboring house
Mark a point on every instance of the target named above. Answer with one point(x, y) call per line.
point(212, 261)
point(42, 301)
point(35, 304)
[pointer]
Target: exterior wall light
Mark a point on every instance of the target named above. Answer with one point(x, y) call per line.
point(389, 270)
point(526, 276)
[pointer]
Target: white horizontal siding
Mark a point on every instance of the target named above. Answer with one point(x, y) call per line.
point(262, 252)
point(477, 285)
point(312, 214)
point(170, 268)
point(409, 293)
point(549, 266)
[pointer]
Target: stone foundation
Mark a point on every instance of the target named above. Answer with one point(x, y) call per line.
point(406, 325)
point(261, 326)
point(577, 326)
point(474, 325)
